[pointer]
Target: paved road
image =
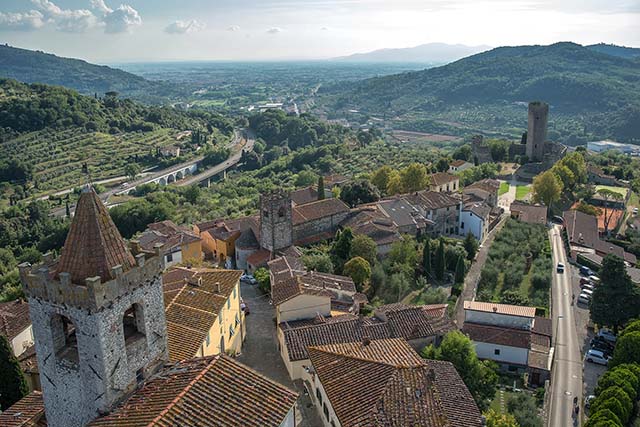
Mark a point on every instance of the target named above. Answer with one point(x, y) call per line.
point(566, 377)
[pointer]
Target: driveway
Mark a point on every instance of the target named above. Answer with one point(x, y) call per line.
point(260, 351)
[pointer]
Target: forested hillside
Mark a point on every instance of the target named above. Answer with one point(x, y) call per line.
point(47, 133)
point(592, 94)
point(30, 66)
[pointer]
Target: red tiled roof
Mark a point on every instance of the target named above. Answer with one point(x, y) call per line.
point(14, 318)
point(441, 178)
point(259, 258)
point(27, 412)
point(208, 392)
point(94, 245)
point(401, 388)
point(458, 163)
point(304, 196)
point(191, 308)
point(532, 214)
point(511, 310)
point(320, 209)
point(511, 337)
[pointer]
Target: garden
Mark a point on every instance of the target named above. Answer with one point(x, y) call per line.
point(519, 266)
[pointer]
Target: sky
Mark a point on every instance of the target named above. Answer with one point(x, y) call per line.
point(108, 31)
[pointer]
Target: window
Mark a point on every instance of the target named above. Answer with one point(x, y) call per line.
point(265, 213)
point(140, 375)
point(231, 331)
point(169, 257)
point(65, 343)
point(133, 323)
point(319, 395)
point(228, 303)
point(326, 411)
point(496, 352)
point(281, 212)
point(208, 338)
point(462, 225)
point(234, 292)
point(237, 319)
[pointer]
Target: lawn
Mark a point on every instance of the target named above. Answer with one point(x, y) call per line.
point(504, 188)
point(620, 190)
point(522, 191)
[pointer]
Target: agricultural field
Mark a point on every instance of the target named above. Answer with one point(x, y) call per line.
point(57, 156)
point(620, 190)
point(408, 136)
point(518, 273)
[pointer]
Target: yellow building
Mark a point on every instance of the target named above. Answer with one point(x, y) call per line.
point(204, 313)
point(219, 238)
point(178, 244)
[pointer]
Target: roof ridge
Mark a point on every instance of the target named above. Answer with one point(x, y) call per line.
point(180, 395)
point(362, 359)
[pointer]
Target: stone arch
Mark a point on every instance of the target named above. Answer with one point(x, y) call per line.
point(171, 179)
point(162, 181)
point(133, 325)
point(187, 171)
point(179, 175)
point(65, 341)
point(281, 212)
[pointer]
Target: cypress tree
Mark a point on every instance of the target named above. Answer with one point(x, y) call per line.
point(460, 269)
point(440, 264)
point(320, 188)
point(67, 210)
point(13, 386)
point(426, 258)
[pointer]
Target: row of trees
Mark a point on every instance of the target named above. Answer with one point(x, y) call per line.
point(566, 174)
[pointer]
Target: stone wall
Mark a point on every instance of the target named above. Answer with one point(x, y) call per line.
point(327, 224)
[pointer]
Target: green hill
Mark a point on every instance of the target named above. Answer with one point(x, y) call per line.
point(48, 132)
point(614, 50)
point(30, 66)
point(592, 94)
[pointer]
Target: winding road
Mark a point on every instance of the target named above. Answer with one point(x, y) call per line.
point(566, 379)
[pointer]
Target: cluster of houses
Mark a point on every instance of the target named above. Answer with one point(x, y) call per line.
point(115, 330)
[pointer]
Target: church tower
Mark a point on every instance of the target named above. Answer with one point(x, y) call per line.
point(98, 318)
point(276, 221)
point(537, 130)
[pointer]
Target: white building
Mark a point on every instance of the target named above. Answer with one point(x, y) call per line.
point(459, 166)
point(599, 146)
point(475, 219)
point(15, 325)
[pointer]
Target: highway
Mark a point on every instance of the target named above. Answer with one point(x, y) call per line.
point(566, 378)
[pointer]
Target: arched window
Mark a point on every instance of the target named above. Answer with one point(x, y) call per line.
point(133, 323)
point(281, 212)
point(65, 343)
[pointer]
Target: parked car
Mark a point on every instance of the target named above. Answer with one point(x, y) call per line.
point(560, 268)
point(584, 299)
point(601, 340)
point(603, 347)
point(584, 281)
point(589, 287)
point(594, 279)
point(635, 211)
point(607, 335)
point(587, 292)
point(596, 356)
point(248, 278)
point(588, 400)
point(556, 219)
point(585, 271)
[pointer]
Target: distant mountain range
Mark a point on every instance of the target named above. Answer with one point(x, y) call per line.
point(614, 50)
point(432, 53)
point(30, 66)
point(592, 88)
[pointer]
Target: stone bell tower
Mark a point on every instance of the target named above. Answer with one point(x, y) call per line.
point(537, 130)
point(276, 220)
point(98, 318)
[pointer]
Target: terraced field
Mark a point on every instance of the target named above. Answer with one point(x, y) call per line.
point(57, 156)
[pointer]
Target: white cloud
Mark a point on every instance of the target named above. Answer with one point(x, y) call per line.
point(67, 20)
point(233, 28)
point(324, 29)
point(274, 30)
point(183, 27)
point(120, 20)
point(26, 21)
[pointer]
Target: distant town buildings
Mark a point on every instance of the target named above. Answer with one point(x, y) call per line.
point(599, 146)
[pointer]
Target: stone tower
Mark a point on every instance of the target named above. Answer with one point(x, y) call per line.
point(276, 223)
point(98, 318)
point(537, 130)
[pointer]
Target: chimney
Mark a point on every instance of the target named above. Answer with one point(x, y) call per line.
point(217, 287)
point(366, 340)
point(495, 309)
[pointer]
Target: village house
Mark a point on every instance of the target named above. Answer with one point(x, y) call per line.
point(219, 238)
point(15, 326)
point(100, 332)
point(307, 195)
point(458, 166)
point(485, 189)
point(582, 234)
point(441, 209)
point(204, 312)
point(531, 214)
point(512, 336)
point(443, 182)
point(370, 221)
point(177, 244)
point(475, 218)
point(596, 175)
point(402, 389)
point(419, 325)
point(298, 294)
point(406, 218)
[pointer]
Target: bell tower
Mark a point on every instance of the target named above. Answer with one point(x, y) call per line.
point(276, 220)
point(98, 318)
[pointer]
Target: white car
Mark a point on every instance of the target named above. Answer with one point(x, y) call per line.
point(588, 287)
point(248, 278)
point(560, 268)
point(607, 335)
point(596, 356)
point(587, 292)
point(595, 280)
point(584, 299)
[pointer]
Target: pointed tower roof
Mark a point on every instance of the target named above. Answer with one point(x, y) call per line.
point(93, 246)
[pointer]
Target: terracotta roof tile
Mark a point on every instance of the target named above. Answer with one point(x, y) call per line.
point(304, 196)
point(94, 244)
point(208, 392)
point(490, 307)
point(14, 318)
point(396, 387)
point(191, 308)
point(441, 178)
point(511, 337)
point(320, 209)
point(27, 412)
point(533, 214)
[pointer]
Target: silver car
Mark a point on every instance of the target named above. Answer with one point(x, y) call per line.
point(596, 356)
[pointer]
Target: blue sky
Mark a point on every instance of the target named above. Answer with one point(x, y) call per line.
point(152, 30)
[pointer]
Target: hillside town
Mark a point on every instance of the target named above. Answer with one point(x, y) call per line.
point(297, 315)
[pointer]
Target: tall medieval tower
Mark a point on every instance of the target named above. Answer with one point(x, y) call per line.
point(98, 318)
point(537, 130)
point(276, 220)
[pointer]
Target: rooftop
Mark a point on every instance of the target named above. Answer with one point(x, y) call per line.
point(532, 214)
point(168, 234)
point(94, 245)
point(511, 310)
point(318, 209)
point(442, 178)
point(401, 388)
point(193, 300)
point(27, 412)
point(14, 318)
point(208, 392)
point(304, 196)
point(430, 200)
